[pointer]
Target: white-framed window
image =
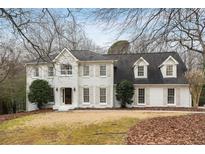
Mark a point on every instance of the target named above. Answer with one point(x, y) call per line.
point(169, 70)
point(36, 72)
point(171, 96)
point(141, 96)
point(102, 70)
point(66, 69)
point(102, 95)
point(86, 98)
point(140, 70)
point(50, 71)
point(51, 94)
point(86, 71)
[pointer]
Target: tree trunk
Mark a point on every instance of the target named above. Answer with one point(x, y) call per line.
point(203, 59)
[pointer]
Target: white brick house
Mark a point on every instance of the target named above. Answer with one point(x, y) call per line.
point(84, 79)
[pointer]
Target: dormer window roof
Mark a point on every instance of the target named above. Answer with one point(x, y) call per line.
point(140, 68)
point(169, 61)
point(141, 61)
point(169, 67)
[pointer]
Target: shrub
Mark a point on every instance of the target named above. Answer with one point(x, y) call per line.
point(125, 92)
point(39, 92)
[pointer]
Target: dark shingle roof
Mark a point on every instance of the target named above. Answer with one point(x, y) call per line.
point(124, 68)
point(82, 55)
point(124, 65)
point(86, 55)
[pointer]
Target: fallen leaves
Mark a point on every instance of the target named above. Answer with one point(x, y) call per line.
point(188, 129)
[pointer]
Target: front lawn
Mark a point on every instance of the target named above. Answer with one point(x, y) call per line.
point(75, 127)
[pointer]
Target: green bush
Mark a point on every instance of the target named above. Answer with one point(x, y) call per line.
point(39, 92)
point(125, 92)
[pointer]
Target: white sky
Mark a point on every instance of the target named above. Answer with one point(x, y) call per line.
point(102, 37)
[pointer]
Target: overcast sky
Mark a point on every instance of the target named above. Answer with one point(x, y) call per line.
point(101, 37)
point(97, 31)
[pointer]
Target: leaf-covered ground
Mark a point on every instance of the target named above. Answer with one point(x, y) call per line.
point(76, 127)
point(187, 129)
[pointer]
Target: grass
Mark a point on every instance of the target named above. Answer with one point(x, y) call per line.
point(85, 127)
point(112, 132)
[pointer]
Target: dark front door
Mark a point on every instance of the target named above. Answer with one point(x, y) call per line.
point(68, 95)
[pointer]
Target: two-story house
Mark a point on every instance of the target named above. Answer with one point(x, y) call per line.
point(85, 79)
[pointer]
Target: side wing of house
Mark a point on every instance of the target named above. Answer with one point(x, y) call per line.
point(158, 80)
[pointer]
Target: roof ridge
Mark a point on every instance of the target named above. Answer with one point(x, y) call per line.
point(142, 53)
point(89, 51)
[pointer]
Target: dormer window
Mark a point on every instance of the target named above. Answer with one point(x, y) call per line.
point(169, 70)
point(140, 68)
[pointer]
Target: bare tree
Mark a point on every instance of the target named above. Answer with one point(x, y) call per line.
point(166, 29)
point(21, 22)
point(196, 80)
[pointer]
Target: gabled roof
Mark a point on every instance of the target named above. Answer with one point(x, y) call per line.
point(81, 55)
point(141, 58)
point(124, 65)
point(65, 50)
point(124, 70)
point(170, 57)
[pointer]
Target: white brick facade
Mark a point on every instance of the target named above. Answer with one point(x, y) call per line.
point(155, 95)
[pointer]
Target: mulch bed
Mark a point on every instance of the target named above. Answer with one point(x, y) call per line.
point(188, 129)
point(20, 114)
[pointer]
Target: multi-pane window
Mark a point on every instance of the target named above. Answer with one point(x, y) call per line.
point(170, 96)
point(169, 70)
point(51, 95)
point(140, 70)
point(141, 95)
point(66, 69)
point(85, 70)
point(102, 70)
point(50, 71)
point(102, 95)
point(36, 72)
point(86, 95)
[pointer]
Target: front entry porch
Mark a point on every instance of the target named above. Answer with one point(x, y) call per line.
point(66, 101)
point(67, 95)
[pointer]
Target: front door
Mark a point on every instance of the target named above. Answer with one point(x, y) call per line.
point(67, 95)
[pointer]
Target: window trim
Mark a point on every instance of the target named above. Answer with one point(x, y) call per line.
point(169, 70)
point(105, 70)
point(84, 70)
point(141, 72)
point(103, 103)
point(144, 96)
point(136, 71)
point(88, 95)
point(48, 72)
point(66, 74)
point(50, 102)
point(34, 73)
point(174, 97)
